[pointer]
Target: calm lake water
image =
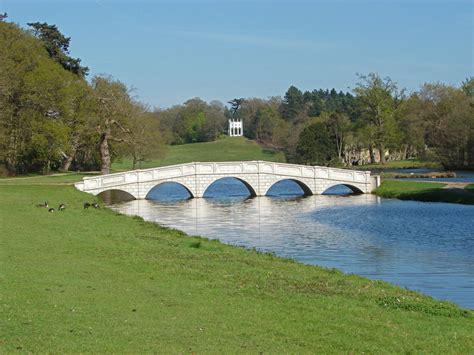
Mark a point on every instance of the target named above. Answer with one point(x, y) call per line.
point(427, 247)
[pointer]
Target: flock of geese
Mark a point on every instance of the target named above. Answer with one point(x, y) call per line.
point(62, 206)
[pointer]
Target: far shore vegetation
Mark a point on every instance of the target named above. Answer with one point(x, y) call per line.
point(425, 191)
point(96, 281)
point(401, 164)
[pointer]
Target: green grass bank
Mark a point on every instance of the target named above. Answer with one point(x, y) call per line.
point(96, 281)
point(425, 191)
point(225, 149)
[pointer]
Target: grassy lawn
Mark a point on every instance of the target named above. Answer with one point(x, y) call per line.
point(225, 149)
point(95, 281)
point(400, 164)
point(470, 187)
point(423, 191)
point(55, 179)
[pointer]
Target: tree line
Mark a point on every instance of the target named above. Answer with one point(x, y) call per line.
point(53, 118)
point(375, 122)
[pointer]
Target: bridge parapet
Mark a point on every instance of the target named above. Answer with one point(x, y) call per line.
point(222, 168)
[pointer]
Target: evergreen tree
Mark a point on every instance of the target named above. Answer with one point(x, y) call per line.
point(57, 46)
point(293, 104)
point(316, 145)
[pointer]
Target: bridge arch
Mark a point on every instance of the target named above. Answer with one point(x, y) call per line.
point(353, 188)
point(306, 189)
point(247, 184)
point(187, 188)
point(115, 195)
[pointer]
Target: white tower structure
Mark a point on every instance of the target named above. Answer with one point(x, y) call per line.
point(236, 128)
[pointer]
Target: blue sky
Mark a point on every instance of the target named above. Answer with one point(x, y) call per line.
point(170, 51)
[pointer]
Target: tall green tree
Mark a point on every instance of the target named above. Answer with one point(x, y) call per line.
point(378, 99)
point(193, 120)
point(216, 121)
point(339, 125)
point(293, 107)
point(266, 121)
point(79, 120)
point(468, 88)
point(113, 111)
point(36, 103)
point(248, 113)
point(144, 140)
point(447, 115)
point(316, 145)
point(411, 127)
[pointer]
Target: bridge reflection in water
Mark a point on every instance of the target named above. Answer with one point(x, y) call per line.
point(230, 219)
point(228, 202)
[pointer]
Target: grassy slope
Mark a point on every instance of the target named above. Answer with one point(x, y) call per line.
point(95, 281)
point(422, 191)
point(226, 149)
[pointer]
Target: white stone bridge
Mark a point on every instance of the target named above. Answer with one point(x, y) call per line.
point(257, 176)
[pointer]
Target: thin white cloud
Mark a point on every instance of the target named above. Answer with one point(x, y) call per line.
point(254, 40)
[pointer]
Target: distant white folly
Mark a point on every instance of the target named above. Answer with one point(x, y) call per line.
point(236, 128)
